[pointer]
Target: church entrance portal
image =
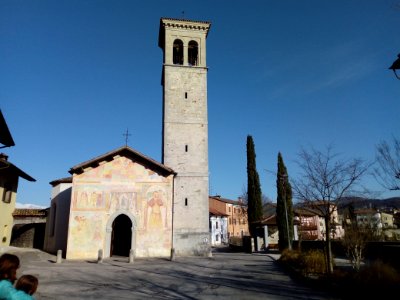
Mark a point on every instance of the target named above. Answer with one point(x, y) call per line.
point(121, 236)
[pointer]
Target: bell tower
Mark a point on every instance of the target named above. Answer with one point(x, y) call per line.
point(185, 130)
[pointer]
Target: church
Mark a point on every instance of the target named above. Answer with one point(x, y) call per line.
point(124, 202)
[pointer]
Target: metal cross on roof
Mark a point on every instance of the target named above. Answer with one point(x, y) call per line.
point(126, 135)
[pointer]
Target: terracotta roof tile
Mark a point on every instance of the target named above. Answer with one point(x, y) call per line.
point(29, 212)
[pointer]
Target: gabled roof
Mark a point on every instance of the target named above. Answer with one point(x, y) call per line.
point(306, 212)
point(271, 220)
point(127, 152)
point(366, 211)
point(5, 134)
point(6, 166)
point(61, 180)
point(234, 202)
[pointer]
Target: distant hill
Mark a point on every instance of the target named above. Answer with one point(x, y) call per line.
point(29, 206)
point(387, 204)
point(382, 204)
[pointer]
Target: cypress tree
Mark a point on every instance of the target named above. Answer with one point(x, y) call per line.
point(254, 206)
point(284, 206)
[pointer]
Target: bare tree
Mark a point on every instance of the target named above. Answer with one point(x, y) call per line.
point(323, 181)
point(355, 241)
point(357, 236)
point(387, 171)
point(264, 199)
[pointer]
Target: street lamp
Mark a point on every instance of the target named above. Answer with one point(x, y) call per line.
point(396, 66)
point(283, 178)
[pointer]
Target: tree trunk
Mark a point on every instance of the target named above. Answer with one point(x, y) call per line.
point(329, 263)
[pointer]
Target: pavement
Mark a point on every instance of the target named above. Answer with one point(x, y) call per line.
point(224, 275)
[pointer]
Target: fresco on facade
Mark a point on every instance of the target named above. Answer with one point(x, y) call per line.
point(121, 169)
point(155, 235)
point(100, 193)
point(93, 198)
point(86, 226)
point(156, 209)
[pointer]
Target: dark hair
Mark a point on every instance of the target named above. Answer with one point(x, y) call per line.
point(9, 263)
point(27, 283)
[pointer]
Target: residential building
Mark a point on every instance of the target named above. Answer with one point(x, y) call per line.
point(29, 227)
point(236, 212)
point(312, 221)
point(310, 225)
point(369, 217)
point(381, 221)
point(9, 177)
point(218, 227)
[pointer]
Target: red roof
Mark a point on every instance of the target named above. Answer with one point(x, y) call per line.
point(234, 202)
point(29, 212)
point(216, 212)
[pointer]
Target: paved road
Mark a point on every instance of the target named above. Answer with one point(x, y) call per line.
point(222, 276)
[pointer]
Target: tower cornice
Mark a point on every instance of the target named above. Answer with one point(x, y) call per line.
point(170, 23)
point(186, 24)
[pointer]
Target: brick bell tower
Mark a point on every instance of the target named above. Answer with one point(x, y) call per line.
point(185, 130)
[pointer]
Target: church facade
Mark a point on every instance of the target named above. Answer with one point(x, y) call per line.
point(124, 202)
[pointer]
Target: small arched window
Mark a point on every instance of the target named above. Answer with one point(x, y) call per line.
point(193, 53)
point(178, 52)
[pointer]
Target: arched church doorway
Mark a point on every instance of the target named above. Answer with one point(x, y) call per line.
point(121, 236)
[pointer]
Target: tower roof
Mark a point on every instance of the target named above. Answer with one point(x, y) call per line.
point(181, 23)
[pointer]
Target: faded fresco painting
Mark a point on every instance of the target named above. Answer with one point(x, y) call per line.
point(120, 187)
point(155, 237)
point(85, 226)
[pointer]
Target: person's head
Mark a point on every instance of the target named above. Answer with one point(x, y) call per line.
point(9, 263)
point(27, 283)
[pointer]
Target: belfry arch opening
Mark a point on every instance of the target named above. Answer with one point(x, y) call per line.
point(178, 52)
point(193, 53)
point(121, 236)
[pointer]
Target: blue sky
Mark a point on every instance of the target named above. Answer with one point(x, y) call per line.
point(74, 75)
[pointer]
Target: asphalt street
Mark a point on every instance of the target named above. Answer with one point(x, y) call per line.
point(225, 275)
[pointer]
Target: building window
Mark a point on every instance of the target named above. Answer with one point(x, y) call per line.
point(7, 193)
point(186, 95)
point(178, 52)
point(193, 52)
point(216, 225)
point(234, 221)
point(230, 221)
point(186, 148)
point(216, 237)
point(229, 209)
point(186, 201)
